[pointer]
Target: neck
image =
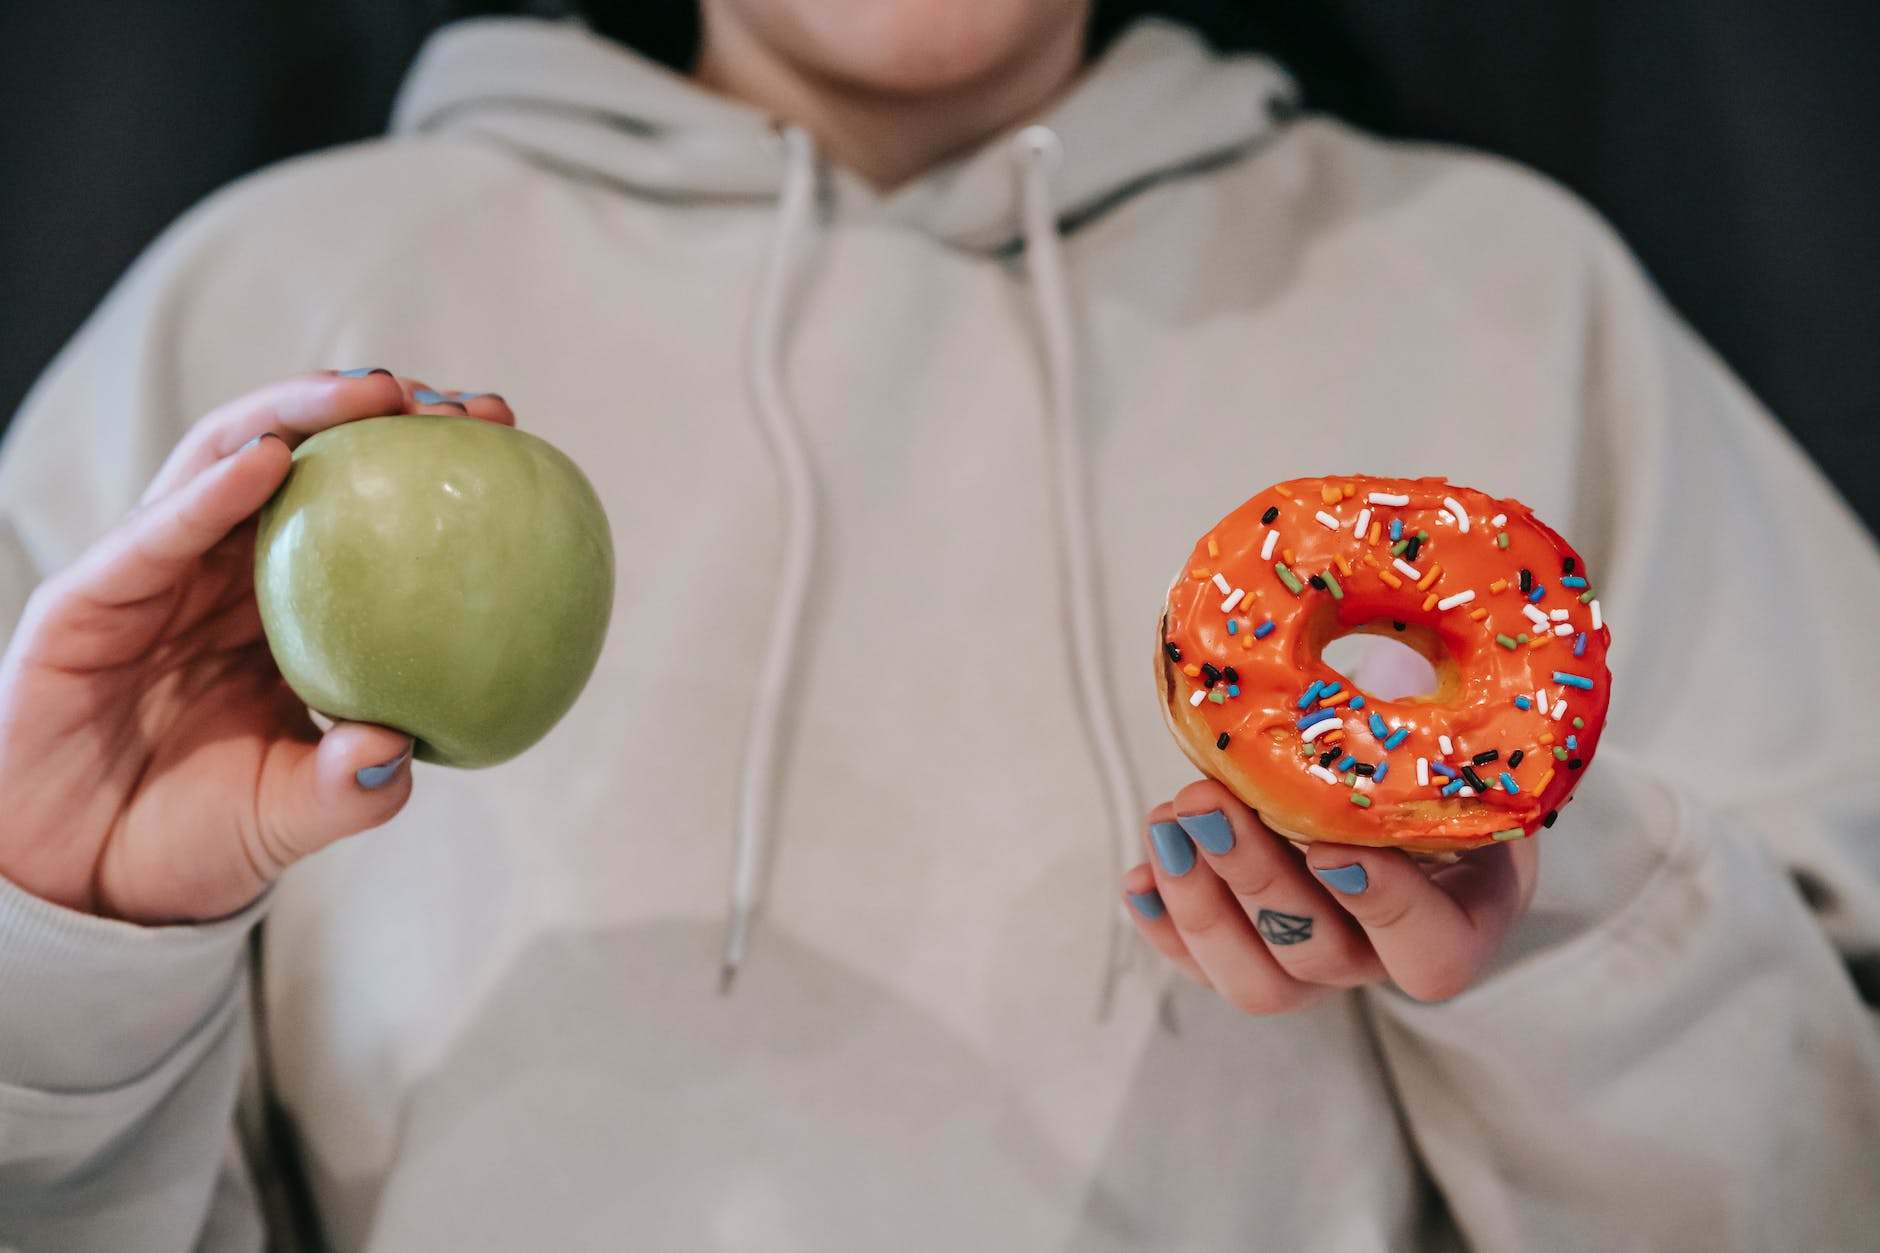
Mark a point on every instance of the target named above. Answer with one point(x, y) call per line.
point(885, 136)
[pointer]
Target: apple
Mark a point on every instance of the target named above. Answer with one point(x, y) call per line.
point(446, 577)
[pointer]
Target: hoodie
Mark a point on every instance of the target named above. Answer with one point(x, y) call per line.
point(897, 482)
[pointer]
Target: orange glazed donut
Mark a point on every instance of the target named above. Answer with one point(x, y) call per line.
point(1497, 602)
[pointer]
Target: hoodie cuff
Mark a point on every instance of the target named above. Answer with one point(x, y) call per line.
point(89, 1003)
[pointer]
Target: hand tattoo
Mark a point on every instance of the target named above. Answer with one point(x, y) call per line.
point(1278, 928)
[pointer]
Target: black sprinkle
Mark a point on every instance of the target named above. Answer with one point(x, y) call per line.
point(1174, 653)
point(1317, 582)
point(1210, 673)
point(1484, 757)
point(1329, 756)
point(1410, 553)
point(1231, 675)
point(1398, 625)
point(1514, 758)
point(1574, 763)
point(1473, 779)
point(1548, 821)
point(1222, 742)
point(1527, 582)
point(1364, 768)
point(1566, 567)
point(1272, 511)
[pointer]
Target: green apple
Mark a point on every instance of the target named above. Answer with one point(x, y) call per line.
point(443, 576)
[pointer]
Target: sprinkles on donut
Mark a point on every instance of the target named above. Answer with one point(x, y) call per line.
point(1500, 605)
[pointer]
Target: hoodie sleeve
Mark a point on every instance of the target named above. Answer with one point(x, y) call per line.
point(121, 1046)
point(1671, 1052)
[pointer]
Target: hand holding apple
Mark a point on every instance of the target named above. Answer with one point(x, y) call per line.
point(155, 766)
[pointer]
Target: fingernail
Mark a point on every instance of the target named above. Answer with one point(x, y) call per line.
point(364, 370)
point(257, 439)
point(1211, 830)
point(1350, 880)
point(469, 395)
point(1148, 904)
point(1172, 847)
point(425, 396)
point(378, 776)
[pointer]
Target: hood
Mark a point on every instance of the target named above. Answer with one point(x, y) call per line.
point(1157, 103)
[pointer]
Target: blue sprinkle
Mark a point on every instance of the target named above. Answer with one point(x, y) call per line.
point(1522, 702)
point(1329, 689)
point(1573, 680)
point(1536, 594)
point(1233, 689)
point(1443, 770)
point(1233, 627)
point(1454, 787)
point(1579, 644)
point(1347, 762)
point(1377, 726)
point(1311, 694)
point(1315, 717)
point(1573, 580)
point(1573, 741)
point(1397, 737)
point(1507, 783)
point(1357, 702)
point(1383, 768)
point(1396, 529)
point(1263, 630)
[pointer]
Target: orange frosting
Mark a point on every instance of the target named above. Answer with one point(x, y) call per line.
point(1489, 664)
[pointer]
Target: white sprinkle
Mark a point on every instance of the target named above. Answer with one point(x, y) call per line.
point(1199, 696)
point(1499, 520)
point(1220, 581)
point(1407, 568)
point(1240, 594)
point(1317, 729)
point(1331, 523)
point(1385, 498)
point(1558, 615)
point(1560, 707)
point(1460, 598)
point(1322, 772)
point(1266, 549)
point(1423, 772)
point(1448, 748)
point(1596, 618)
point(1458, 513)
point(1535, 616)
point(1466, 791)
point(1540, 699)
point(1364, 520)
point(1564, 628)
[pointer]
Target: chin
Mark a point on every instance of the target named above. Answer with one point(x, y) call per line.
point(911, 47)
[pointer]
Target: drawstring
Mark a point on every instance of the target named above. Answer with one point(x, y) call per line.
point(1081, 603)
point(757, 789)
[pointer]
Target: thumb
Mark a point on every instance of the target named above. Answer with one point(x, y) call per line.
point(357, 777)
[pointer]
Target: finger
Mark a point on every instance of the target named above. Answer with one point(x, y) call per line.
point(1214, 928)
point(292, 409)
point(1433, 934)
point(1310, 937)
point(421, 397)
point(1151, 918)
point(357, 777)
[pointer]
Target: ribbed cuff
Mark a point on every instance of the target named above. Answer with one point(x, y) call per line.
point(88, 1003)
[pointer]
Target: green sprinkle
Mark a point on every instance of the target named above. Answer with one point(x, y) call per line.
point(1331, 585)
point(1501, 541)
point(1505, 641)
point(1397, 549)
point(1360, 800)
point(1287, 577)
point(1586, 597)
point(1560, 754)
point(1579, 724)
point(1512, 833)
point(1521, 638)
point(1217, 696)
point(1423, 537)
point(1351, 778)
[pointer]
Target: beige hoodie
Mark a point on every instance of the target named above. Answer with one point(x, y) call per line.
point(494, 1024)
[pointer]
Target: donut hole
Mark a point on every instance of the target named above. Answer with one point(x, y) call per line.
point(1388, 664)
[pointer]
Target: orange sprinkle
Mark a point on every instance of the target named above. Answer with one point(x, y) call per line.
point(1478, 614)
point(1330, 494)
point(1214, 549)
point(1371, 561)
point(1435, 572)
point(1499, 585)
point(1246, 639)
point(1547, 738)
point(1350, 491)
point(1344, 567)
point(1333, 736)
point(1287, 554)
point(1376, 530)
point(1545, 780)
point(1339, 699)
point(1198, 573)
point(1390, 578)
point(1429, 602)
point(1543, 638)
point(1192, 670)
point(1283, 490)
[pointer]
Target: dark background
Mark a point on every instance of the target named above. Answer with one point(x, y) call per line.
point(1735, 143)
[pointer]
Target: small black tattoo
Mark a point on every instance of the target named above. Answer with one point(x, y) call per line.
point(1278, 928)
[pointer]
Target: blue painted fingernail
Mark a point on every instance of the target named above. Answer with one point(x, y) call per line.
point(378, 776)
point(364, 370)
point(1172, 847)
point(425, 396)
point(1350, 880)
point(1211, 830)
point(1148, 904)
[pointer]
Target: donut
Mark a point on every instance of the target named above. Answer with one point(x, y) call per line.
point(1500, 605)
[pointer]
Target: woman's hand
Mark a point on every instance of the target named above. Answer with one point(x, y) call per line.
point(153, 765)
point(1238, 909)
